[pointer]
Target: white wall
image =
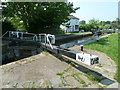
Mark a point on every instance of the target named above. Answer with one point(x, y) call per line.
point(72, 23)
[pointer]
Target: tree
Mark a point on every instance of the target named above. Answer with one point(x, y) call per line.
point(115, 24)
point(102, 23)
point(83, 22)
point(82, 27)
point(7, 26)
point(94, 25)
point(86, 27)
point(118, 23)
point(107, 27)
point(108, 22)
point(40, 17)
point(101, 27)
point(17, 23)
point(93, 21)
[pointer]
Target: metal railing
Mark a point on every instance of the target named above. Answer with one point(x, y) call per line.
point(43, 38)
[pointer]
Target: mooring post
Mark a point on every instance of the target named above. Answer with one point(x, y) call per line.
point(81, 47)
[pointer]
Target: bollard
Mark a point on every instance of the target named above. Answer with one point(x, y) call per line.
point(97, 39)
point(81, 47)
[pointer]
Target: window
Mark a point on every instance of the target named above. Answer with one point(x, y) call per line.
point(76, 26)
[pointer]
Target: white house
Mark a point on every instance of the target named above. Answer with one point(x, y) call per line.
point(73, 24)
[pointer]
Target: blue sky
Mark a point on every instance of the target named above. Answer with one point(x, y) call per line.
point(101, 10)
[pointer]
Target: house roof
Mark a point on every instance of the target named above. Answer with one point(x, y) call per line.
point(72, 17)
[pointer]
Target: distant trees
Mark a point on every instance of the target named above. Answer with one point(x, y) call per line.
point(92, 26)
point(118, 23)
point(39, 17)
point(86, 27)
point(83, 22)
point(93, 21)
point(96, 25)
point(105, 23)
point(115, 24)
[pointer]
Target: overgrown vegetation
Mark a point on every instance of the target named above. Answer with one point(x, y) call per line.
point(80, 80)
point(31, 85)
point(48, 84)
point(46, 53)
point(109, 46)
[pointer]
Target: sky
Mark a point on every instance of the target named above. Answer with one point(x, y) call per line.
point(102, 10)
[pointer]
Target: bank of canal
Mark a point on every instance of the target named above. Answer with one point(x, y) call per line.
point(67, 39)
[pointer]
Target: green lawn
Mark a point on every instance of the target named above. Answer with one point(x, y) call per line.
point(109, 46)
point(68, 34)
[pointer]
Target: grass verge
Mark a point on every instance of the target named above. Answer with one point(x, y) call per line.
point(109, 46)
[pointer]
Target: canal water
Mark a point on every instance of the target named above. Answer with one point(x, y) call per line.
point(74, 42)
point(10, 54)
